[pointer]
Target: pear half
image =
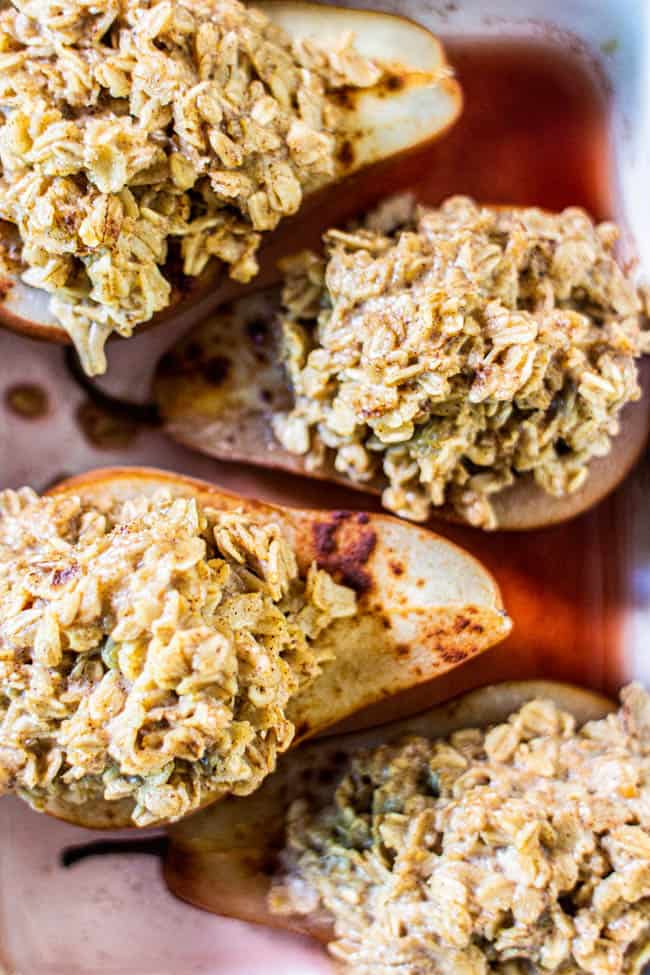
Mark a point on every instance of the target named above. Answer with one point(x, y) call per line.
point(416, 101)
point(218, 388)
point(424, 604)
point(222, 859)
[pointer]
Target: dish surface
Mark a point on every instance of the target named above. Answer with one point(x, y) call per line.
point(579, 594)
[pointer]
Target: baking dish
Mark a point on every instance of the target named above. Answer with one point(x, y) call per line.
point(579, 594)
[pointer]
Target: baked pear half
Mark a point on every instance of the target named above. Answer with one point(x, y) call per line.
point(494, 831)
point(415, 100)
point(483, 364)
point(224, 859)
point(193, 635)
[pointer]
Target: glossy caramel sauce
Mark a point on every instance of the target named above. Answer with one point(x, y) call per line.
point(533, 130)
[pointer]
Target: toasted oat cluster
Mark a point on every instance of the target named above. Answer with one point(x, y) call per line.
point(518, 850)
point(443, 353)
point(148, 651)
point(130, 124)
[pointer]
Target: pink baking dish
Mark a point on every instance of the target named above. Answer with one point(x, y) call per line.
point(579, 593)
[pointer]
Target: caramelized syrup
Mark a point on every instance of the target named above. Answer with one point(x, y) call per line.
point(533, 130)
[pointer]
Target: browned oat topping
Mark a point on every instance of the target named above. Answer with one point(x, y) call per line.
point(148, 651)
point(131, 122)
point(446, 352)
point(520, 849)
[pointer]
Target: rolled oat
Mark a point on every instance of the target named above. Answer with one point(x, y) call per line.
point(443, 353)
point(130, 124)
point(148, 650)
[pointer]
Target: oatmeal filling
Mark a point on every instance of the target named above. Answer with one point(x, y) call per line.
point(443, 353)
point(520, 849)
point(148, 650)
point(129, 125)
